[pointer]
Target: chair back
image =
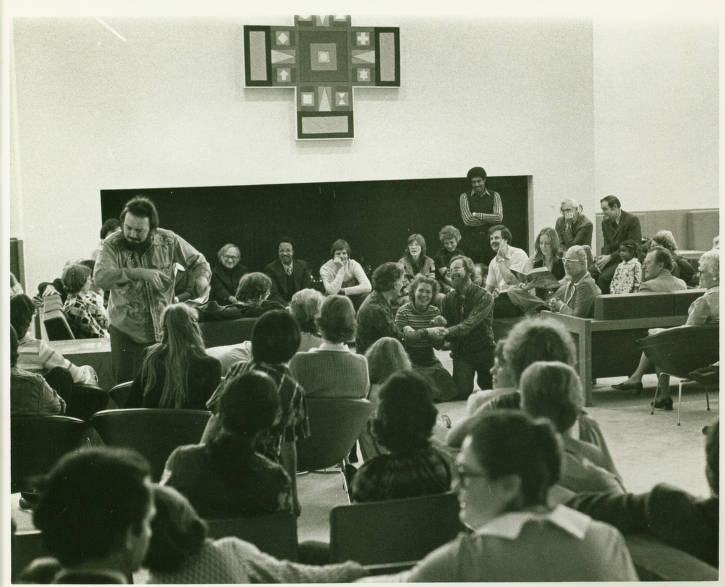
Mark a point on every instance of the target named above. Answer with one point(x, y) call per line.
point(335, 425)
point(54, 320)
point(25, 547)
point(223, 332)
point(86, 400)
point(657, 561)
point(393, 531)
point(154, 433)
point(680, 350)
point(275, 534)
point(37, 442)
point(120, 393)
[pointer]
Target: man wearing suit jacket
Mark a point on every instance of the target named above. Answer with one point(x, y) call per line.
point(288, 275)
point(576, 296)
point(656, 268)
point(617, 227)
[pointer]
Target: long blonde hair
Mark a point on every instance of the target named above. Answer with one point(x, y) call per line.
point(181, 341)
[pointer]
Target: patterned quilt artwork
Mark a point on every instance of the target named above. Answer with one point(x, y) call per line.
point(322, 57)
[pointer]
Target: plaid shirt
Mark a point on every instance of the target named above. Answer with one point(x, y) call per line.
point(292, 421)
point(85, 316)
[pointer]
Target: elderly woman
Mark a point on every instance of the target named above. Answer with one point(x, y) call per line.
point(305, 307)
point(704, 310)
point(417, 320)
point(681, 266)
point(343, 275)
point(176, 372)
point(179, 552)
point(403, 424)
point(225, 275)
point(449, 236)
point(508, 464)
point(86, 316)
point(332, 369)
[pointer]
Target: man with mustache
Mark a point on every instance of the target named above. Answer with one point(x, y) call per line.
point(138, 265)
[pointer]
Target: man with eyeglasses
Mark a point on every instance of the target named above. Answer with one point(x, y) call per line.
point(572, 226)
point(288, 275)
point(576, 296)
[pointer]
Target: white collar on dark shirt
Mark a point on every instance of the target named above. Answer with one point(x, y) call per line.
point(509, 525)
point(331, 346)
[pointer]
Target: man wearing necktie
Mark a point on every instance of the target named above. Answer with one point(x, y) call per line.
point(576, 296)
point(572, 226)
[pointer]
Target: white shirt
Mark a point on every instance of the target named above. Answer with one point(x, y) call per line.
point(515, 259)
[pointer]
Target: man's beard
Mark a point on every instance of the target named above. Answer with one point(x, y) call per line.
point(137, 247)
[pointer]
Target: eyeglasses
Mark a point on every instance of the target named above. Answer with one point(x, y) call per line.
point(463, 475)
point(231, 257)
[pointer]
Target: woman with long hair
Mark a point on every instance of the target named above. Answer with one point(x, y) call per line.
point(415, 261)
point(227, 477)
point(176, 372)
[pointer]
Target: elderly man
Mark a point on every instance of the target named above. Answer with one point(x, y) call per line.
point(288, 275)
point(572, 226)
point(617, 227)
point(479, 209)
point(500, 279)
point(576, 296)
point(468, 309)
point(657, 269)
point(139, 266)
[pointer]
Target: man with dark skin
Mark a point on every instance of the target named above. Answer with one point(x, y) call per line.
point(480, 208)
point(288, 275)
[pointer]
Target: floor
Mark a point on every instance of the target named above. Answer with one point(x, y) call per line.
point(647, 449)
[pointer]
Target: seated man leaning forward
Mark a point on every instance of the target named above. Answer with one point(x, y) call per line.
point(572, 226)
point(500, 278)
point(343, 275)
point(576, 296)
point(139, 266)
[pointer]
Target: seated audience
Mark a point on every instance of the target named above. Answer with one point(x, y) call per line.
point(657, 268)
point(628, 274)
point(226, 477)
point(403, 424)
point(449, 236)
point(385, 356)
point(376, 317)
point(681, 267)
point(176, 372)
point(288, 275)
point(181, 553)
point(704, 310)
point(572, 227)
point(38, 355)
point(86, 317)
point(415, 261)
point(468, 310)
point(507, 466)
point(225, 275)
point(552, 390)
point(576, 296)
point(617, 226)
point(417, 320)
point(500, 278)
point(332, 369)
point(95, 511)
point(253, 297)
point(343, 275)
point(275, 340)
point(30, 394)
point(669, 514)
point(305, 307)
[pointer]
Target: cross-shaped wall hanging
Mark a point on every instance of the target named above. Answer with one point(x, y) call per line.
point(322, 57)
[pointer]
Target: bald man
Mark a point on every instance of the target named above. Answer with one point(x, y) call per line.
point(572, 226)
point(576, 296)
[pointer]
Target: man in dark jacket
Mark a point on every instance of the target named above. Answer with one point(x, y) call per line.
point(617, 227)
point(288, 275)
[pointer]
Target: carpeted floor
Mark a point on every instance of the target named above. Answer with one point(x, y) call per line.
point(646, 449)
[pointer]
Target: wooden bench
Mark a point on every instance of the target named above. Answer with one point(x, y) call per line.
point(606, 345)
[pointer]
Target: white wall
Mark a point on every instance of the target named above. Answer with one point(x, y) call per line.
point(168, 108)
point(656, 114)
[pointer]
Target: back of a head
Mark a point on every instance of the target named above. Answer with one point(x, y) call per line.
point(712, 455)
point(177, 531)
point(253, 287)
point(386, 356)
point(110, 225)
point(552, 390)
point(89, 500)
point(275, 337)
point(508, 442)
point(74, 277)
point(537, 339)
point(305, 307)
point(406, 413)
point(21, 313)
point(249, 404)
point(180, 325)
point(337, 319)
point(385, 276)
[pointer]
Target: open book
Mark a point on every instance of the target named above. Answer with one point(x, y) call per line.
point(540, 277)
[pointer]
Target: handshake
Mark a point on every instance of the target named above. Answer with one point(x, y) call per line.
point(437, 333)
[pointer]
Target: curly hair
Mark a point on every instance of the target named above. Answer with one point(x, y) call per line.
point(449, 231)
point(74, 277)
point(418, 281)
point(386, 275)
point(253, 287)
point(406, 413)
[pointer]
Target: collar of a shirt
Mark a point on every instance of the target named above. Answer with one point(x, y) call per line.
point(509, 525)
point(331, 346)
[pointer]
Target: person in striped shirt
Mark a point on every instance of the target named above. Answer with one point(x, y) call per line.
point(480, 208)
